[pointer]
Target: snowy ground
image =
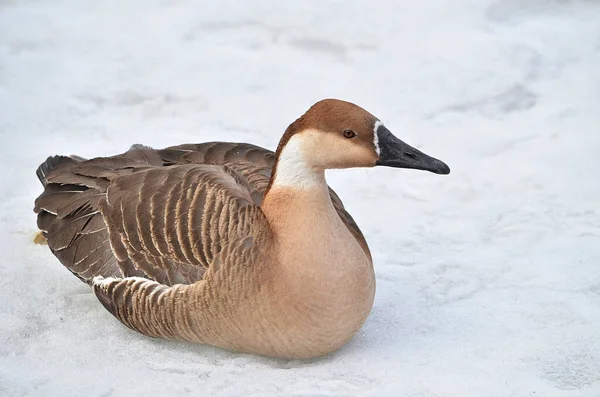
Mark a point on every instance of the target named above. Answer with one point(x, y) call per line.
point(488, 279)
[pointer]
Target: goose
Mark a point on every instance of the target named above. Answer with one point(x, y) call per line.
point(227, 244)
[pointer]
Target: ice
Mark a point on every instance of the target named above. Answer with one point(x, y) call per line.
point(488, 278)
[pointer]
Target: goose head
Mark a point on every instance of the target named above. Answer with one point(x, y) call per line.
point(340, 134)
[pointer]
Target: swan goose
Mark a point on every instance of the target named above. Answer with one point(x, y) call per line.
point(227, 244)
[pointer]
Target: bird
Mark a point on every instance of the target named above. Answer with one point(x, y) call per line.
point(227, 244)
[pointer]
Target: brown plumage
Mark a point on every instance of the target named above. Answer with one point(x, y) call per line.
point(200, 242)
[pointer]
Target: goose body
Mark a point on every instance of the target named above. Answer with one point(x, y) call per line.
point(223, 243)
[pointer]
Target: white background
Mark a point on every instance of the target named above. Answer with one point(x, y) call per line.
point(488, 278)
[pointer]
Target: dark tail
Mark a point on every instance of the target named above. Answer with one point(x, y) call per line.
point(51, 163)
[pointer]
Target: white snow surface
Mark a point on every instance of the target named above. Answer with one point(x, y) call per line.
point(488, 279)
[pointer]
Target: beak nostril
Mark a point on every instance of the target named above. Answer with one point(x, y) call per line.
point(409, 154)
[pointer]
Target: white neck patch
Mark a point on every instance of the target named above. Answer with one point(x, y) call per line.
point(375, 137)
point(292, 168)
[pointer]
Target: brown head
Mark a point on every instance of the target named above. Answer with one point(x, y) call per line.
point(340, 134)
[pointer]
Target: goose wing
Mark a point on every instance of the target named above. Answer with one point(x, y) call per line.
point(137, 215)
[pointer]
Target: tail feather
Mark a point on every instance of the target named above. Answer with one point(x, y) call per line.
point(70, 219)
point(52, 163)
point(69, 214)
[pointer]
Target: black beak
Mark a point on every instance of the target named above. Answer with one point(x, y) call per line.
point(395, 153)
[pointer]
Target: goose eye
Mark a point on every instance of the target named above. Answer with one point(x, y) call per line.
point(349, 134)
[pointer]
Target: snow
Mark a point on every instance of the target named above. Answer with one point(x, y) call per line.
point(488, 278)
